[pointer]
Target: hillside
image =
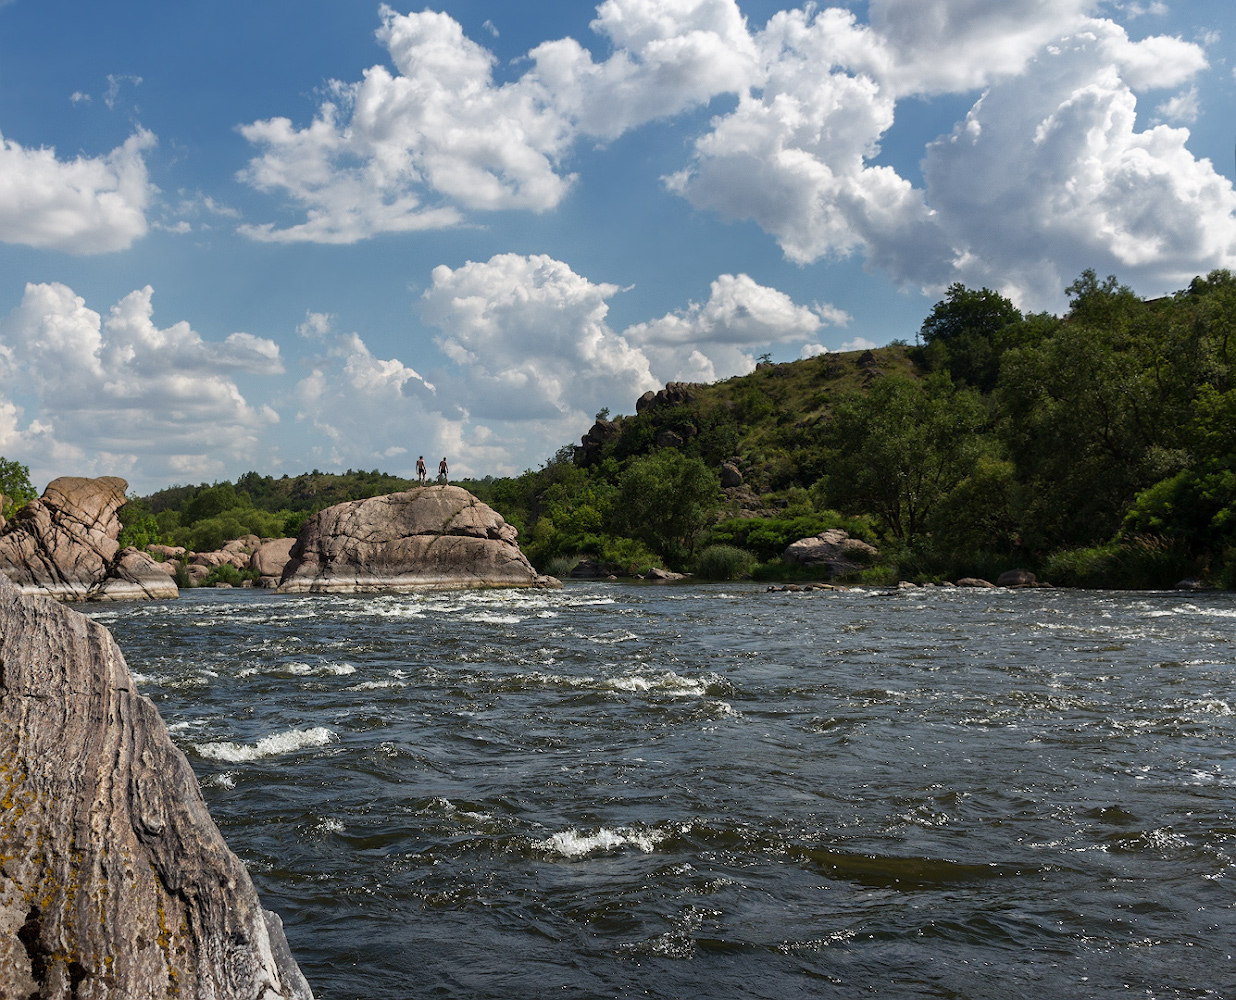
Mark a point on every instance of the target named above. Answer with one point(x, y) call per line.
point(1095, 448)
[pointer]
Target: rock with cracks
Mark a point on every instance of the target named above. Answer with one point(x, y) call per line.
point(66, 545)
point(427, 538)
point(114, 881)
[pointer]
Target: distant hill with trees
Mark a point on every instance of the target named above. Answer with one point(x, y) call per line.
point(1096, 448)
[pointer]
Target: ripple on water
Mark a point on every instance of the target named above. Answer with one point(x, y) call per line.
point(529, 792)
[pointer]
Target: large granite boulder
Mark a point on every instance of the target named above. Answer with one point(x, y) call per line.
point(272, 556)
point(135, 576)
point(833, 549)
point(65, 544)
point(427, 538)
point(114, 880)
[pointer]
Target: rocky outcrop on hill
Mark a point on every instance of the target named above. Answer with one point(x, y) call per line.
point(834, 549)
point(114, 880)
point(674, 394)
point(427, 538)
point(592, 443)
point(65, 544)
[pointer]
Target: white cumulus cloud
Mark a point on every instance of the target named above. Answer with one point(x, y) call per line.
point(404, 151)
point(530, 339)
point(84, 394)
point(704, 342)
point(86, 205)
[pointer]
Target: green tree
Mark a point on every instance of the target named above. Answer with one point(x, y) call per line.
point(968, 331)
point(15, 485)
point(900, 448)
point(139, 527)
point(667, 499)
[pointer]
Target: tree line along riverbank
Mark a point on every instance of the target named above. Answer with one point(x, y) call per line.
point(1095, 448)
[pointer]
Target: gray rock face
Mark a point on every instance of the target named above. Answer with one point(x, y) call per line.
point(974, 581)
point(65, 545)
point(114, 881)
point(271, 557)
point(731, 476)
point(428, 538)
point(135, 576)
point(833, 548)
point(1016, 578)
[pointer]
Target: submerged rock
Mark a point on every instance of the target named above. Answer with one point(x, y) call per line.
point(427, 538)
point(65, 545)
point(115, 881)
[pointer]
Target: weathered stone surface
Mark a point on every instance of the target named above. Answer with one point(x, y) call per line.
point(592, 443)
point(663, 575)
point(271, 556)
point(134, 575)
point(973, 581)
point(427, 538)
point(731, 476)
point(65, 545)
point(114, 881)
point(589, 569)
point(1016, 578)
point(667, 438)
point(166, 551)
point(834, 549)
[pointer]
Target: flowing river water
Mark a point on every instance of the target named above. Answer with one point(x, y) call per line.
point(711, 791)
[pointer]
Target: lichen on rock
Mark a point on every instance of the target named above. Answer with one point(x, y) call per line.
point(114, 880)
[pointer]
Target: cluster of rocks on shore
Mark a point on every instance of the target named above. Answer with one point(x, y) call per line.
point(66, 545)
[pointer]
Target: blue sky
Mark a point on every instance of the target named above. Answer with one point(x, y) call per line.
point(292, 235)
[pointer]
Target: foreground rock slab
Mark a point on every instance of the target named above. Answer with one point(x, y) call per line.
point(65, 545)
point(114, 880)
point(428, 538)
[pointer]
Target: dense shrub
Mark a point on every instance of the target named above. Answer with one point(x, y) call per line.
point(724, 562)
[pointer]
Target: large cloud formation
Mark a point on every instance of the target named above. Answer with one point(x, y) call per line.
point(99, 394)
point(86, 205)
point(1050, 150)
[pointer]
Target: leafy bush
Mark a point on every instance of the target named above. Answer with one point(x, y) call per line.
point(666, 499)
point(15, 485)
point(561, 566)
point(724, 562)
point(139, 526)
point(768, 537)
point(227, 573)
point(1141, 562)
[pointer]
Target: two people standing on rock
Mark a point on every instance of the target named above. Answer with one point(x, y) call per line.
point(422, 474)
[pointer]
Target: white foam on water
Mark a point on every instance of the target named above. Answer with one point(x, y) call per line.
point(577, 844)
point(224, 779)
point(298, 669)
point(1209, 706)
point(610, 638)
point(288, 741)
point(489, 618)
point(1193, 609)
point(376, 685)
point(666, 682)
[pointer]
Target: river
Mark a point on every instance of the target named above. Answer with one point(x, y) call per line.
point(619, 790)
